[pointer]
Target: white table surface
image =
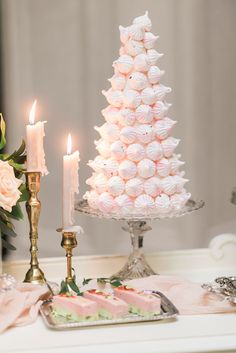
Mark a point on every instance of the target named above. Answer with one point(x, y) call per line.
point(198, 333)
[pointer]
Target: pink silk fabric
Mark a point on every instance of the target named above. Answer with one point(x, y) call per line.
point(20, 306)
point(188, 297)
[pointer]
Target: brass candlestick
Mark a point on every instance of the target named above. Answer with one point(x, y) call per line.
point(69, 242)
point(33, 206)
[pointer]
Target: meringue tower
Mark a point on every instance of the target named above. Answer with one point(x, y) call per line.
point(136, 170)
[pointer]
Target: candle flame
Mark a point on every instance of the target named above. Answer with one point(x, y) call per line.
point(32, 113)
point(69, 144)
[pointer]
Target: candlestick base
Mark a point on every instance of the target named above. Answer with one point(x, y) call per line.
point(35, 275)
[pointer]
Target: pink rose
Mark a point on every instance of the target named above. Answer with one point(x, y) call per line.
point(9, 184)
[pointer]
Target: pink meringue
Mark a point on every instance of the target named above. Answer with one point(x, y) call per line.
point(114, 97)
point(124, 203)
point(134, 187)
point(111, 114)
point(146, 168)
point(122, 51)
point(128, 134)
point(163, 167)
point(137, 81)
point(135, 152)
point(106, 202)
point(162, 203)
point(124, 64)
point(134, 47)
point(175, 163)
point(144, 203)
point(92, 198)
point(127, 117)
point(144, 21)
point(103, 148)
point(144, 114)
point(164, 127)
point(145, 133)
point(179, 183)
point(148, 96)
point(110, 167)
point(109, 132)
point(152, 186)
point(141, 63)
point(131, 99)
point(154, 74)
point(97, 163)
point(100, 183)
point(118, 81)
point(136, 32)
point(159, 109)
point(127, 169)
point(154, 151)
point(161, 91)
point(169, 145)
point(118, 150)
point(153, 56)
point(168, 185)
point(115, 186)
point(149, 40)
point(124, 34)
point(179, 200)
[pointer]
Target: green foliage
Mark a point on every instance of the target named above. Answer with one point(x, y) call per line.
point(67, 287)
point(16, 160)
point(113, 281)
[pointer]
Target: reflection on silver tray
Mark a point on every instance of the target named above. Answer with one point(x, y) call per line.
point(225, 287)
point(191, 205)
point(168, 311)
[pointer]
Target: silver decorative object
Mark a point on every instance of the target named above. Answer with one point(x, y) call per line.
point(225, 287)
point(136, 226)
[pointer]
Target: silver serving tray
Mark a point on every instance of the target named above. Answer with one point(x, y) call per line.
point(168, 312)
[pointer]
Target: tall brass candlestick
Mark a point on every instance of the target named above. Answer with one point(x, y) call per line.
point(33, 206)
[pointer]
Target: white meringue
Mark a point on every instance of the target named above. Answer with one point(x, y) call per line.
point(149, 40)
point(97, 163)
point(122, 51)
point(109, 132)
point(124, 34)
point(115, 186)
point(168, 185)
point(152, 186)
point(179, 200)
point(124, 64)
point(146, 168)
point(154, 151)
point(163, 167)
point(141, 63)
point(137, 81)
point(136, 32)
point(127, 170)
point(126, 117)
point(144, 203)
point(162, 203)
point(153, 56)
point(114, 97)
point(175, 163)
point(169, 145)
point(144, 114)
point(111, 114)
point(128, 134)
point(118, 81)
point(161, 91)
point(143, 21)
point(179, 182)
point(135, 152)
point(145, 133)
point(103, 148)
point(148, 96)
point(92, 198)
point(163, 127)
point(131, 98)
point(124, 203)
point(100, 183)
point(154, 74)
point(134, 187)
point(159, 109)
point(105, 202)
point(134, 47)
point(118, 150)
point(110, 167)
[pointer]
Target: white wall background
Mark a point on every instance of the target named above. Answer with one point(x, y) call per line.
point(62, 52)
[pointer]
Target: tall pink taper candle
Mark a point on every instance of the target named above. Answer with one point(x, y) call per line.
point(34, 144)
point(70, 184)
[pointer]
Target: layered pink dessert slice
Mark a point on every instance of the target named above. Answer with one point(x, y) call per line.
point(140, 302)
point(74, 308)
point(109, 305)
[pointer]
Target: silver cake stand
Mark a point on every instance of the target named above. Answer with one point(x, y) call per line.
point(136, 225)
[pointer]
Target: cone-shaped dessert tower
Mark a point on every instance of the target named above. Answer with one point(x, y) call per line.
point(137, 170)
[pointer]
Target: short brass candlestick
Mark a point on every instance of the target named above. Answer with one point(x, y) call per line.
point(69, 242)
point(33, 205)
